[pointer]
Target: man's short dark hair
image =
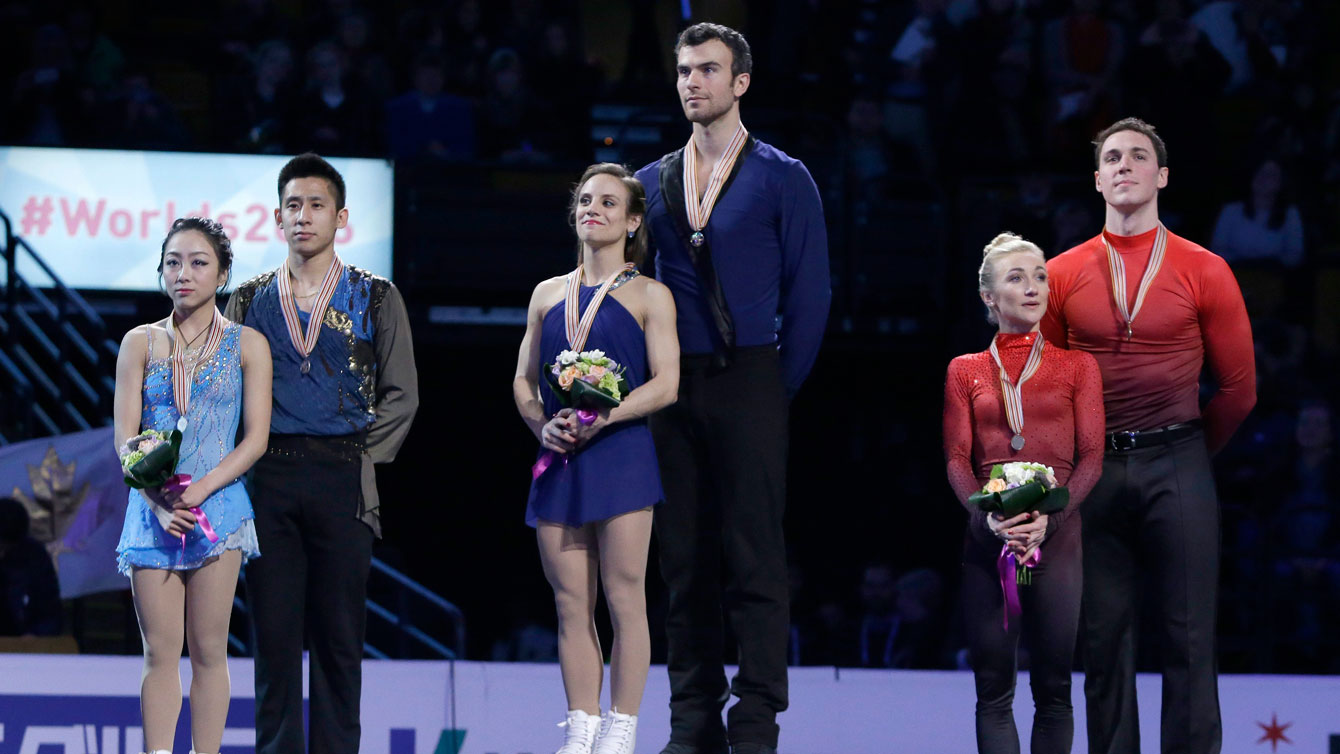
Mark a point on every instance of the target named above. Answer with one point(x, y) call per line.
point(741, 59)
point(1138, 126)
point(312, 165)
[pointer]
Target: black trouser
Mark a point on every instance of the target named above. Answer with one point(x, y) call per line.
point(1153, 517)
point(312, 574)
point(722, 451)
point(1049, 621)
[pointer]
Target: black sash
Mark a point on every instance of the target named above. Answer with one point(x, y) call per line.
point(672, 193)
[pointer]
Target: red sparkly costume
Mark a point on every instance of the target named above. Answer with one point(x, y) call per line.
point(1063, 418)
point(1063, 428)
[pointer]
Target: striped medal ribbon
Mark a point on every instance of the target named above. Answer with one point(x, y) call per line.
point(181, 377)
point(1118, 272)
point(305, 342)
point(1013, 392)
point(700, 211)
point(579, 328)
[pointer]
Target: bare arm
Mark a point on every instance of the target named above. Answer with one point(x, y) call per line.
point(128, 403)
point(662, 356)
point(256, 385)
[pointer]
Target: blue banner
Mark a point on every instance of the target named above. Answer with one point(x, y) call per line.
point(76, 497)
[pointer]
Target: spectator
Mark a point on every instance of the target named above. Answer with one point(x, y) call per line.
point(901, 624)
point(511, 125)
point(44, 108)
point(29, 593)
point(1083, 53)
point(257, 115)
point(1264, 224)
point(1307, 533)
point(427, 120)
point(332, 115)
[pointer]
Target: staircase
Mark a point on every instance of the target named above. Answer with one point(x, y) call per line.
point(57, 363)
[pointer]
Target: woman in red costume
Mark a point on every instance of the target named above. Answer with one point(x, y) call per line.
point(1060, 424)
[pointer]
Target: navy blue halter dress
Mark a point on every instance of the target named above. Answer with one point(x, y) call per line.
point(616, 472)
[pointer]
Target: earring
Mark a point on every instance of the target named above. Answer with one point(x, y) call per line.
point(632, 233)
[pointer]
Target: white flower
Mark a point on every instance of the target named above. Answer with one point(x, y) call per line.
point(594, 357)
point(567, 358)
point(1022, 472)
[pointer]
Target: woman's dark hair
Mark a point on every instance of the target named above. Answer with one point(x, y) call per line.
point(213, 232)
point(1276, 211)
point(635, 249)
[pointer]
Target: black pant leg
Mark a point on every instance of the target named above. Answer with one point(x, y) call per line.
point(339, 553)
point(1182, 538)
point(1111, 568)
point(688, 536)
point(747, 443)
point(276, 585)
point(991, 649)
point(1051, 623)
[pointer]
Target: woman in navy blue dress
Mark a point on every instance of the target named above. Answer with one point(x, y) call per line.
point(591, 507)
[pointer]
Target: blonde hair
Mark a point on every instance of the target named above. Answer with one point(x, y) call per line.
point(1002, 245)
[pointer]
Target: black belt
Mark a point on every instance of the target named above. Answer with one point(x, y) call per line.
point(1125, 440)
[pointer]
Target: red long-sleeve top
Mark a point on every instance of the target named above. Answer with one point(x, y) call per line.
point(1063, 418)
point(1192, 313)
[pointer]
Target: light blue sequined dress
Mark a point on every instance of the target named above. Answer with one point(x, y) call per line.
point(213, 415)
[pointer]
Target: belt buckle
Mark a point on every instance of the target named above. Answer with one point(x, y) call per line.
point(1120, 441)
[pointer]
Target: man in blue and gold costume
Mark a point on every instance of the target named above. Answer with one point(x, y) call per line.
point(345, 393)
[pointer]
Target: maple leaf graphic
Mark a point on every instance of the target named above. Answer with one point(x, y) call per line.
point(54, 501)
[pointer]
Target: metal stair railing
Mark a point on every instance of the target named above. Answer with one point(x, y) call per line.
point(408, 633)
point(57, 364)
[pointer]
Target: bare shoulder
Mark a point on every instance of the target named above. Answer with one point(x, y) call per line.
point(547, 293)
point(252, 338)
point(656, 293)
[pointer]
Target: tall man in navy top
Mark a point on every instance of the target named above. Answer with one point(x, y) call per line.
point(738, 233)
point(345, 392)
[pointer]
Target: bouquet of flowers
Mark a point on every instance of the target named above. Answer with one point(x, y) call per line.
point(1014, 488)
point(1021, 486)
point(149, 460)
point(586, 379)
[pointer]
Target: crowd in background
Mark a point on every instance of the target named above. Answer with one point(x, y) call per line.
point(916, 100)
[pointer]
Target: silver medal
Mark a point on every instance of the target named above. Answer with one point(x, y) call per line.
point(306, 366)
point(1017, 442)
point(181, 424)
point(697, 238)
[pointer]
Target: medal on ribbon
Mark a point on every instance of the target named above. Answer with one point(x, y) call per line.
point(579, 328)
point(699, 211)
point(1118, 272)
point(1013, 392)
point(305, 342)
point(181, 376)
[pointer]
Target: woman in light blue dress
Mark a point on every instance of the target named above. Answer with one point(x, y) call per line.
point(182, 550)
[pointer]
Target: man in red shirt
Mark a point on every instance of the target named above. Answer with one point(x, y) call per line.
point(1152, 308)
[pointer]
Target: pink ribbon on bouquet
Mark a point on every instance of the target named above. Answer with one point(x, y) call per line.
point(177, 484)
point(1006, 566)
point(584, 415)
